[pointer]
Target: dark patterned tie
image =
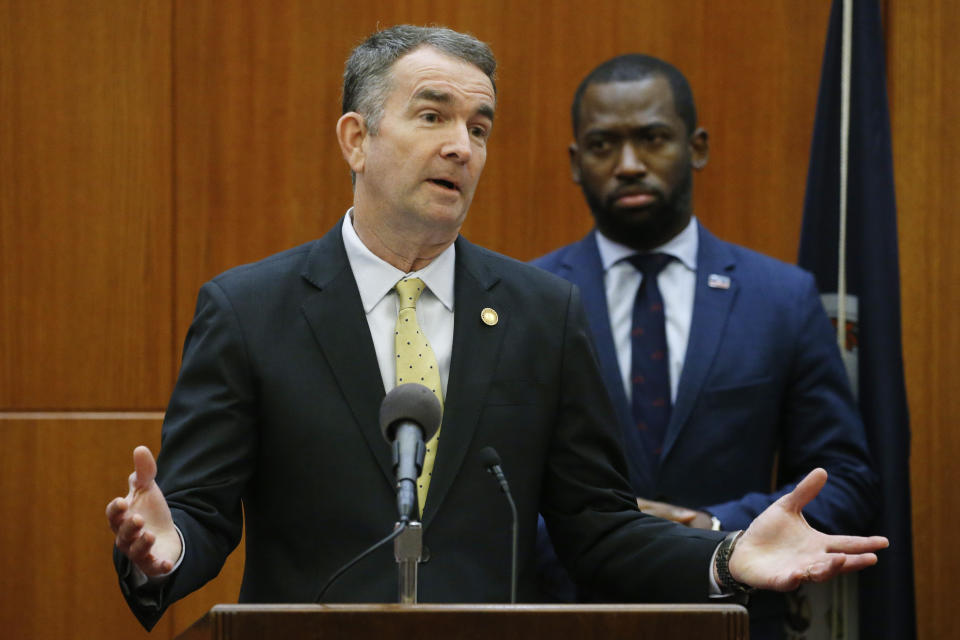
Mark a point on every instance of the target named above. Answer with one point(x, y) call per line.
point(649, 372)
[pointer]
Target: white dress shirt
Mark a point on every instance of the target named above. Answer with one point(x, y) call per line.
point(376, 279)
point(677, 283)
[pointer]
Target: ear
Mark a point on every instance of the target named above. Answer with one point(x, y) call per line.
point(574, 152)
point(699, 148)
point(351, 132)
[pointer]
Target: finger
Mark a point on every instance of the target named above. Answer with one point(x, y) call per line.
point(856, 544)
point(116, 510)
point(824, 570)
point(159, 567)
point(128, 531)
point(658, 511)
point(805, 491)
point(115, 506)
point(858, 562)
point(139, 551)
point(145, 468)
point(683, 516)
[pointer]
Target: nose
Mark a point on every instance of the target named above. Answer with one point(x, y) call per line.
point(630, 164)
point(457, 147)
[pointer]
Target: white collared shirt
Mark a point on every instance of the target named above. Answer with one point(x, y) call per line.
point(376, 279)
point(677, 283)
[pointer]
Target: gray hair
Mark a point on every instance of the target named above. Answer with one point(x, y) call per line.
point(366, 78)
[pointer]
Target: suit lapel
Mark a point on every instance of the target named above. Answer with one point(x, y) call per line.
point(336, 317)
point(476, 351)
point(711, 311)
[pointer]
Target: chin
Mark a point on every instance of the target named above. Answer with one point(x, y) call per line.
point(440, 218)
point(645, 219)
point(641, 216)
point(634, 232)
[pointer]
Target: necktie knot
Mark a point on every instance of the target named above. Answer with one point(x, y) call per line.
point(408, 292)
point(650, 264)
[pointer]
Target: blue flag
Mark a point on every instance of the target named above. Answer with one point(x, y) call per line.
point(871, 305)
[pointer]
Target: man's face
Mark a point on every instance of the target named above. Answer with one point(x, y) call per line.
point(421, 169)
point(633, 158)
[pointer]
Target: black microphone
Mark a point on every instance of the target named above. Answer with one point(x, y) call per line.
point(491, 462)
point(409, 416)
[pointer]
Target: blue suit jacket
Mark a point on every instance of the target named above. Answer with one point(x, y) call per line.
point(762, 400)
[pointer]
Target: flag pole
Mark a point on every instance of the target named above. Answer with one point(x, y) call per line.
point(846, 54)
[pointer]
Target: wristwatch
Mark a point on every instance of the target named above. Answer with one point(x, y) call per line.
point(728, 582)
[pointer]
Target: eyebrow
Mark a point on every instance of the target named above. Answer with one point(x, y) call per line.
point(443, 97)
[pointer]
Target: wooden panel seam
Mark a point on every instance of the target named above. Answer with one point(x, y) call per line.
point(81, 415)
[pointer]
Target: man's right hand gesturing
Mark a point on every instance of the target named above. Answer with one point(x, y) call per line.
point(141, 521)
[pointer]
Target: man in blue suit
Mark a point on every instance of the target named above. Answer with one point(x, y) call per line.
point(758, 395)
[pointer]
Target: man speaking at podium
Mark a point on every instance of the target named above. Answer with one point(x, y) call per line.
point(273, 419)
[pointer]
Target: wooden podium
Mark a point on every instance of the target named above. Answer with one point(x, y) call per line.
point(466, 622)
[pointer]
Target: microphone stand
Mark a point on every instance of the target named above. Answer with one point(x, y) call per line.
point(491, 462)
point(513, 550)
point(408, 550)
point(409, 415)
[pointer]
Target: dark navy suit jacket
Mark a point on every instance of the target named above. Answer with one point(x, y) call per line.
point(763, 397)
point(273, 427)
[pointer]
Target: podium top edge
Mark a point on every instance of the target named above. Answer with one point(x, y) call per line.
point(477, 608)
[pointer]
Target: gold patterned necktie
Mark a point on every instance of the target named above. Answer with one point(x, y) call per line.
point(416, 363)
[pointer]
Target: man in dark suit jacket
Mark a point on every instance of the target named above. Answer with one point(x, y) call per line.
point(760, 395)
point(273, 421)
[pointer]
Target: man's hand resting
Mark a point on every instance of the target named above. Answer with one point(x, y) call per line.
point(779, 550)
point(141, 521)
point(690, 517)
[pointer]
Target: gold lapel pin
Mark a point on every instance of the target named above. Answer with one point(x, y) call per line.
point(489, 316)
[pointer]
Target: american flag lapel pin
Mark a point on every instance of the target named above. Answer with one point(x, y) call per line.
point(716, 281)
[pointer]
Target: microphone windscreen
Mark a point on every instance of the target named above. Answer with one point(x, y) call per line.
point(489, 457)
point(410, 402)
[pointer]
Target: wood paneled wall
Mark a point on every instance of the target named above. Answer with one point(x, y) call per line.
point(923, 56)
point(85, 205)
point(146, 146)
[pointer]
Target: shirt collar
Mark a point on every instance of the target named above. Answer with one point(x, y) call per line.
point(376, 278)
point(682, 246)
